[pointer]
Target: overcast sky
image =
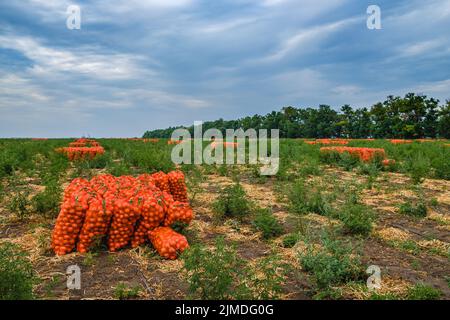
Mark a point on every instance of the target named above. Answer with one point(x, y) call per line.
point(147, 64)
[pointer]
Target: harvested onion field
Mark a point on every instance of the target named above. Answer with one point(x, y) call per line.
point(309, 232)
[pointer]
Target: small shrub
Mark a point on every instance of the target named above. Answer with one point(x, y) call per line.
point(16, 273)
point(47, 202)
point(418, 210)
point(418, 168)
point(423, 292)
point(333, 264)
point(20, 204)
point(310, 168)
point(433, 202)
point(221, 274)
point(372, 171)
point(123, 292)
point(298, 198)
point(441, 167)
point(233, 202)
point(211, 274)
point(291, 240)
point(348, 161)
point(266, 283)
point(89, 259)
point(304, 201)
point(119, 169)
point(319, 204)
point(267, 224)
point(357, 219)
point(193, 182)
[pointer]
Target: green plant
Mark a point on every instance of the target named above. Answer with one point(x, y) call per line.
point(89, 259)
point(124, 292)
point(266, 283)
point(297, 196)
point(16, 273)
point(418, 168)
point(303, 200)
point(372, 171)
point(422, 291)
point(348, 161)
point(233, 202)
point(51, 285)
point(2, 192)
point(266, 223)
point(20, 204)
point(357, 218)
point(44, 244)
point(328, 294)
point(433, 202)
point(118, 169)
point(418, 210)
point(310, 168)
point(291, 239)
point(221, 274)
point(333, 264)
point(441, 166)
point(212, 274)
point(194, 182)
point(409, 246)
point(47, 202)
point(384, 296)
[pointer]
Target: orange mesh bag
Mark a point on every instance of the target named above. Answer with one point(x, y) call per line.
point(125, 215)
point(179, 212)
point(69, 222)
point(96, 223)
point(167, 242)
point(161, 181)
point(152, 216)
point(177, 185)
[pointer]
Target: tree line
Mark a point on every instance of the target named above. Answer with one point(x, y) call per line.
point(411, 117)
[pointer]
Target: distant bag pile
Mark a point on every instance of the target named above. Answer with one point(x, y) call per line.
point(328, 141)
point(123, 210)
point(364, 154)
point(400, 141)
point(82, 149)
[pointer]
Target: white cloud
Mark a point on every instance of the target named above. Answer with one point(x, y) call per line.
point(16, 91)
point(225, 25)
point(435, 87)
point(346, 90)
point(307, 39)
point(269, 3)
point(82, 60)
point(164, 99)
point(419, 48)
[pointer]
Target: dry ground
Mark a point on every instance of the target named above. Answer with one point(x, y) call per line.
point(162, 279)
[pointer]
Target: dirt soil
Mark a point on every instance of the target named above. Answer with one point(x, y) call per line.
point(162, 279)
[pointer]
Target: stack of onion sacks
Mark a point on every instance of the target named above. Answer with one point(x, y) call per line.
point(121, 210)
